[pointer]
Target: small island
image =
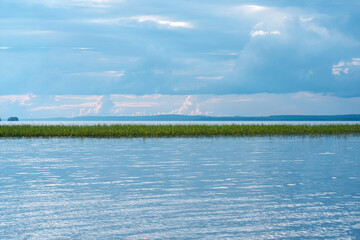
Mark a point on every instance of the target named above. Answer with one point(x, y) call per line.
point(12, 119)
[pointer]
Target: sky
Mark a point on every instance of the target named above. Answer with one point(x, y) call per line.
point(67, 58)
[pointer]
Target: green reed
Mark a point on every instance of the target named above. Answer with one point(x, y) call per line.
point(130, 130)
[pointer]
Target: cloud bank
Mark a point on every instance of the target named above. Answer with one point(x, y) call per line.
point(259, 104)
point(177, 48)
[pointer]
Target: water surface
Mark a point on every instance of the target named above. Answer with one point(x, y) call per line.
point(180, 188)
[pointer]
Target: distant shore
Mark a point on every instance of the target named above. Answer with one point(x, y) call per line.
point(155, 131)
point(174, 117)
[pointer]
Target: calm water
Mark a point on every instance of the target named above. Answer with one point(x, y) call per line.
point(176, 188)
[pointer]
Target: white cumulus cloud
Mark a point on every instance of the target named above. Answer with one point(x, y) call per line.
point(184, 107)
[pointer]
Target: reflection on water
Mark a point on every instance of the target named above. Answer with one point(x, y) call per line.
point(192, 188)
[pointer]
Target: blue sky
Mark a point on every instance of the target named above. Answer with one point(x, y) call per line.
point(140, 57)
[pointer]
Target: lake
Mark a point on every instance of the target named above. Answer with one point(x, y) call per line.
point(180, 188)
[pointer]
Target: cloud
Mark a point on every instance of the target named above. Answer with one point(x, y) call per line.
point(210, 78)
point(104, 74)
point(184, 107)
point(124, 104)
point(161, 21)
point(157, 20)
point(344, 67)
point(214, 100)
point(355, 62)
point(222, 53)
point(64, 105)
point(27, 32)
point(134, 104)
point(220, 48)
point(338, 68)
point(91, 105)
point(188, 108)
point(306, 19)
point(96, 98)
point(82, 48)
point(4, 48)
point(114, 96)
point(250, 9)
point(300, 58)
point(242, 100)
point(259, 104)
point(23, 100)
point(75, 3)
point(264, 33)
point(107, 21)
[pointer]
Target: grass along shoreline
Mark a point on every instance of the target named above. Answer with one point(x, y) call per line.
point(154, 131)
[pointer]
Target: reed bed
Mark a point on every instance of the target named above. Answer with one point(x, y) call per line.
point(155, 131)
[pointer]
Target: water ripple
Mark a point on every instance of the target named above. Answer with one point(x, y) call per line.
point(222, 188)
